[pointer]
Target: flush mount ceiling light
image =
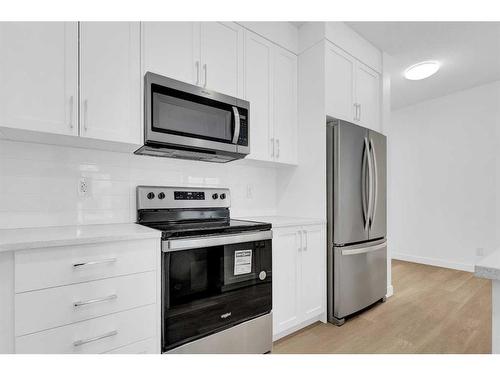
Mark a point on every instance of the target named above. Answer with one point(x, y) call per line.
point(421, 70)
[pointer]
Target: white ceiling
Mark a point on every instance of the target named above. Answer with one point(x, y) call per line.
point(468, 51)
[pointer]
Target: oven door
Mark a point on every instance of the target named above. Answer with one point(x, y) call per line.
point(209, 288)
point(181, 114)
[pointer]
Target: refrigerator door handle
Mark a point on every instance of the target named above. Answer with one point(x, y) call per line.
point(375, 181)
point(366, 217)
point(364, 250)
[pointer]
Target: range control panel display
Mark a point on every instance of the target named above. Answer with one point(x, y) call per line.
point(189, 195)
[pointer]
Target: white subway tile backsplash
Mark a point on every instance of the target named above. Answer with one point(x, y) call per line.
point(39, 184)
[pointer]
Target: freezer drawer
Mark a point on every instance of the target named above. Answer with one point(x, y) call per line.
point(360, 276)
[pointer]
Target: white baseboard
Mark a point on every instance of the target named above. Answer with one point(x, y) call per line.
point(390, 291)
point(433, 262)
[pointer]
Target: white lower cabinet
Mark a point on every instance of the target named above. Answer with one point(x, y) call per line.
point(147, 346)
point(92, 336)
point(93, 298)
point(299, 269)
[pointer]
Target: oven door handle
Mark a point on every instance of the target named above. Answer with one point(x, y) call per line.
point(237, 125)
point(195, 243)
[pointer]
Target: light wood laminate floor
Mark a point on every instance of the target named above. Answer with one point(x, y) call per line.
point(433, 310)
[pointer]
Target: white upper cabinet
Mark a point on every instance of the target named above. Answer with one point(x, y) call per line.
point(368, 97)
point(110, 81)
point(207, 54)
point(340, 69)
point(271, 89)
point(258, 91)
point(222, 57)
point(352, 89)
point(285, 106)
point(172, 49)
point(38, 76)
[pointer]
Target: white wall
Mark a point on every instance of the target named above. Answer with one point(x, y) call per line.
point(38, 184)
point(442, 187)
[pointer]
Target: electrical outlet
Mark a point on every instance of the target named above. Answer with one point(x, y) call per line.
point(480, 252)
point(84, 187)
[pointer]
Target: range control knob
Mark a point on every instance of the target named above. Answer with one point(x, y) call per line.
point(161, 196)
point(215, 195)
point(151, 195)
point(262, 275)
point(223, 196)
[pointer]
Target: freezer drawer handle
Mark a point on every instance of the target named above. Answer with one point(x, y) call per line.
point(364, 249)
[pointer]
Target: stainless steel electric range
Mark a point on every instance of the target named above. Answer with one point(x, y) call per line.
point(216, 272)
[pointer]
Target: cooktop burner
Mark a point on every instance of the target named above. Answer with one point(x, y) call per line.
point(189, 212)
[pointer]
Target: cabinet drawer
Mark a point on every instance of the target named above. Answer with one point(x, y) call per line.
point(93, 336)
point(148, 346)
point(53, 307)
point(56, 266)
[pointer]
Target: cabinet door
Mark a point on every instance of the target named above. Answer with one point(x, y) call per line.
point(340, 68)
point(39, 76)
point(110, 81)
point(313, 264)
point(285, 106)
point(222, 57)
point(367, 96)
point(258, 91)
point(286, 279)
point(172, 49)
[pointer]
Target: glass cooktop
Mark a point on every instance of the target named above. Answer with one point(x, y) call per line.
point(206, 227)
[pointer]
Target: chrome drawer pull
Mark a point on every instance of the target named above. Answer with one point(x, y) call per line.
point(94, 262)
point(96, 300)
point(103, 336)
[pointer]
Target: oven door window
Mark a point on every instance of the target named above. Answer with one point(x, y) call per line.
point(192, 116)
point(207, 289)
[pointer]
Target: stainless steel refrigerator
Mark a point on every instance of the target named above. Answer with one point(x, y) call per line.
point(357, 215)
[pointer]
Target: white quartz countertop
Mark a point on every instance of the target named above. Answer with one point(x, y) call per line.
point(284, 221)
point(489, 267)
point(31, 238)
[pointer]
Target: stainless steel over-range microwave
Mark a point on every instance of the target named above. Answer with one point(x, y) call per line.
point(190, 122)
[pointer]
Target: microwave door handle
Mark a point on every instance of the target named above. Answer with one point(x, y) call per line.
point(237, 125)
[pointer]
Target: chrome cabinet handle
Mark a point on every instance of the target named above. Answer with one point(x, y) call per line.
point(272, 147)
point(277, 148)
point(359, 112)
point(301, 240)
point(94, 262)
point(85, 114)
point(375, 181)
point(355, 111)
point(305, 239)
point(71, 102)
point(205, 70)
point(96, 338)
point(197, 65)
point(363, 183)
point(96, 300)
